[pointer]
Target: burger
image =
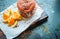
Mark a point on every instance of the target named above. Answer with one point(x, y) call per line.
point(26, 7)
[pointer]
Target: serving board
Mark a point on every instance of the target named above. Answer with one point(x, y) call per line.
point(42, 16)
point(41, 20)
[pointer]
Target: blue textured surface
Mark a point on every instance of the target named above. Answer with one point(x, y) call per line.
point(52, 8)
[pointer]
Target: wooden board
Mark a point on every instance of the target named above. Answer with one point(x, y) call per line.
point(43, 18)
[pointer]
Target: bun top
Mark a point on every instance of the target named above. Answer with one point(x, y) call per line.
point(26, 6)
